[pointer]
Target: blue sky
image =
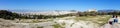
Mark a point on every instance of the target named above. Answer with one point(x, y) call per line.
point(48, 5)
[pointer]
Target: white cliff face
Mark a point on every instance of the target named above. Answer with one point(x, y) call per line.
point(77, 24)
point(68, 24)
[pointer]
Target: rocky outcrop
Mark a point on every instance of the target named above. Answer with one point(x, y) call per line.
point(6, 24)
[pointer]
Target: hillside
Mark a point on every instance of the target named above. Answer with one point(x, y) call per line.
point(65, 22)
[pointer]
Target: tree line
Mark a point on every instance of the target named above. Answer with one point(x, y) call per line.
point(93, 13)
point(8, 14)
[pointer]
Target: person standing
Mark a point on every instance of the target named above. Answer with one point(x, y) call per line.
point(115, 19)
point(115, 22)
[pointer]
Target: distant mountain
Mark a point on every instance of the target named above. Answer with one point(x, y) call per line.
point(108, 10)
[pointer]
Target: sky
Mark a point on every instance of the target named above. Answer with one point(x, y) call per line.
point(48, 5)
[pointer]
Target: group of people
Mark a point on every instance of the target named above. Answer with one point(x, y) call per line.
point(113, 22)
